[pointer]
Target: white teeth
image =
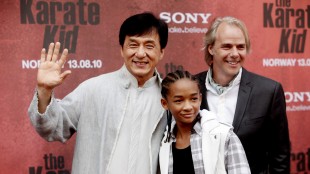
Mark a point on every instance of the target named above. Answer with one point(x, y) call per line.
point(233, 63)
point(140, 62)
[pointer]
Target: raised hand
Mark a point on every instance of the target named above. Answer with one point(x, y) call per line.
point(49, 73)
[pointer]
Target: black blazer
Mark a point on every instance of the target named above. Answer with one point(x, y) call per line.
point(260, 122)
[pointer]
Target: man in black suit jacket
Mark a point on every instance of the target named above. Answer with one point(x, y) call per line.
point(254, 105)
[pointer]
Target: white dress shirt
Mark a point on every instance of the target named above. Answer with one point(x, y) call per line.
point(224, 105)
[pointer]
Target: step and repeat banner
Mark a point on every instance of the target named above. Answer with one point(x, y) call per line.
point(279, 31)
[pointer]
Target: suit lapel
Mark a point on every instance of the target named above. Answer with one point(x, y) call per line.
point(242, 101)
point(243, 96)
point(202, 80)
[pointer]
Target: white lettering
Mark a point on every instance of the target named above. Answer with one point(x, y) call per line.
point(165, 16)
point(297, 97)
point(175, 18)
point(288, 97)
point(191, 17)
point(205, 17)
point(179, 17)
point(30, 64)
point(279, 62)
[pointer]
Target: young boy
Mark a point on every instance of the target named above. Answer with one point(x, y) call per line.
point(195, 142)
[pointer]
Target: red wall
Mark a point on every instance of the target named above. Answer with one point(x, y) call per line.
point(279, 31)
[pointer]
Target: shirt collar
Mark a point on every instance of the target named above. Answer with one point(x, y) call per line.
point(217, 88)
point(130, 80)
point(196, 129)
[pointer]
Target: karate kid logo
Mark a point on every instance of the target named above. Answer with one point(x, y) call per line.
point(52, 165)
point(293, 22)
point(300, 162)
point(62, 19)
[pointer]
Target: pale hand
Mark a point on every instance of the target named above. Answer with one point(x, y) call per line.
point(49, 72)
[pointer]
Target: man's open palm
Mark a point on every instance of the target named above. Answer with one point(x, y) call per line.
point(49, 72)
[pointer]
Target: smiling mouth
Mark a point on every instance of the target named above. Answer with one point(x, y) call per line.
point(233, 62)
point(140, 63)
point(188, 115)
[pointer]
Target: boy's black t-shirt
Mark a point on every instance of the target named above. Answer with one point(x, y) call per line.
point(182, 160)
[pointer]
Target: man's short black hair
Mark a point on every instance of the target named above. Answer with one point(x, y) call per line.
point(143, 23)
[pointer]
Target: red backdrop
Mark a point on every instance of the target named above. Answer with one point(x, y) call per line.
point(279, 31)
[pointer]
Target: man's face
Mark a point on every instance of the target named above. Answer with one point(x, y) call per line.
point(141, 55)
point(229, 51)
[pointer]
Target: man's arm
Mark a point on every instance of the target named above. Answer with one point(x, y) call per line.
point(49, 74)
point(279, 152)
point(52, 124)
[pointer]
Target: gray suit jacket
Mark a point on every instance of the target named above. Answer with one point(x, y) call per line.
point(260, 122)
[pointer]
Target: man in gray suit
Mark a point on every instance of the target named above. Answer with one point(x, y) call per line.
point(254, 105)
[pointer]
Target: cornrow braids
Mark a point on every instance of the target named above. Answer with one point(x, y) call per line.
point(169, 120)
point(171, 78)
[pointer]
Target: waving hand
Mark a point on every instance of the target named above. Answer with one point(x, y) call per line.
point(49, 73)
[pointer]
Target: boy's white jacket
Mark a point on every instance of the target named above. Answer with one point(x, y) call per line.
point(214, 135)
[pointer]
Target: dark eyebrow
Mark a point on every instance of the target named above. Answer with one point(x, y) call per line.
point(229, 44)
point(194, 94)
point(151, 41)
point(226, 44)
point(180, 96)
point(177, 96)
point(147, 41)
point(132, 40)
point(241, 45)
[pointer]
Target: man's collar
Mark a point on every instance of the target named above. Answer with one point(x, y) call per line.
point(131, 80)
point(213, 86)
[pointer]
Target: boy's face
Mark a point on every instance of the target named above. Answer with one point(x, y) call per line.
point(141, 55)
point(183, 101)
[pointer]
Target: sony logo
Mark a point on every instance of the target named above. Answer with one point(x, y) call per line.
point(297, 97)
point(179, 17)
